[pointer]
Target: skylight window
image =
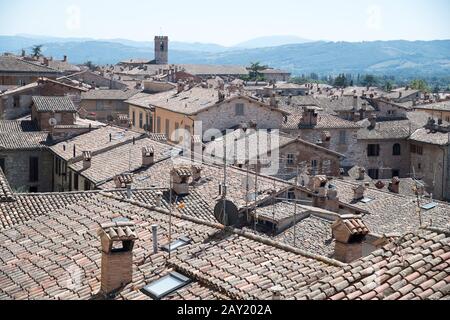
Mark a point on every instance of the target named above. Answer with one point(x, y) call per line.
point(183, 241)
point(121, 219)
point(166, 285)
point(366, 200)
point(429, 206)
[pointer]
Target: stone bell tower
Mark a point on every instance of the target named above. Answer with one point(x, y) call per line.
point(161, 50)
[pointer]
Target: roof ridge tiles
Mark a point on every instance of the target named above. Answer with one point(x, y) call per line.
point(232, 230)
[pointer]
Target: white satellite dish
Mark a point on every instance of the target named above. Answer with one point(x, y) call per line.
point(53, 122)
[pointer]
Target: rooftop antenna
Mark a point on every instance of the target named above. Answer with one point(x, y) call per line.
point(295, 209)
point(224, 187)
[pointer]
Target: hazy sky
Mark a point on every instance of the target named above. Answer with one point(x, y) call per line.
point(229, 22)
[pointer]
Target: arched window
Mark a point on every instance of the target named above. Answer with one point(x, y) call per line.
point(396, 150)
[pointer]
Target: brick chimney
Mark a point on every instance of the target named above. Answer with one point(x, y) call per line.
point(355, 103)
point(180, 180)
point(361, 173)
point(349, 231)
point(122, 180)
point(273, 101)
point(309, 117)
point(373, 121)
point(87, 160)
point(358, 192)
point(117, 241)
point(394, 185)
point(148, 156)
point(332, 201)
point(326, 139)
point(196, 172)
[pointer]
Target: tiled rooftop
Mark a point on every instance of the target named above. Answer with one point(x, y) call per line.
point(415, 267)
point(38, 257)
point(324, 121)
point(95, 140)
point(393, 213)
point(121, 159)
point(158, 175)
point(13, 64)
point(109, 94)
point(54, 104)
point(425, 136)
point(6, 194)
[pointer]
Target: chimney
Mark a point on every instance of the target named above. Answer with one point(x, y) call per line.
point(129, 192)
point(394, 185)
point(117, 241)
point(309, 117)
point(180, 180)
point(87, 160)
point(122, 180)
point(400, 94)
point(332, 201)
point(23, 53)
point(273, 101)
point(196, 172)
point(317, 183)
point(373, 121)
point(326, 139)
point(361, 173)
point(65, 58)
point(289, 100)
point(355, 103)
point(148, 156)
point(349, 231)
point(276, 292)
point(159, 196)
point(45, 61)
point(180, 87)
point(155, 238)
point(358, 192)
point(221, 96)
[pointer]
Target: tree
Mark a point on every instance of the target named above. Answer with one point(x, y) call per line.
point(90, 65)
point(369, 80)
point(37, 50)
point(340, 81)
point(388, 86)
point(255, 68)
point(419, 84)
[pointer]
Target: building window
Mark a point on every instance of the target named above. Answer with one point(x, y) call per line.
point(290, 159)
point(416, 149)
point(373, 150)
point(239, 109)
point(342, 137)
point(141, 120)
point(395, 173)
point(16, 101)
point(177, 134)
point(396, 150)
point(374, 173)
point(87, 184)
point(133, 117)
point(168, 129)
point(2, 165)
point(75, 182)
point(33, 189)
point(34, 169)
point(158, 124)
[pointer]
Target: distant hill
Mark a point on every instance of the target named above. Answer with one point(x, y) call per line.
point(400, 58)
point(270, 41)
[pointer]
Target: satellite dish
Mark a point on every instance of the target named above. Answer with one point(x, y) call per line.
point(231, 218)
point(53, 122)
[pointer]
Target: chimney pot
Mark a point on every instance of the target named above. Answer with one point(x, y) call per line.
point(394, 185)
point(159, 196)
point(180, 180)
point(87, 160)
point(155, 238)
point(358, 192)
point(117, 263)
point(148, 156)
point(349, 231)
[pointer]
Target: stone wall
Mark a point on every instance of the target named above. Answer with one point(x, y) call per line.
point(386, 161)
point(224, 116)
point(17, 167)
point(104, 109)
